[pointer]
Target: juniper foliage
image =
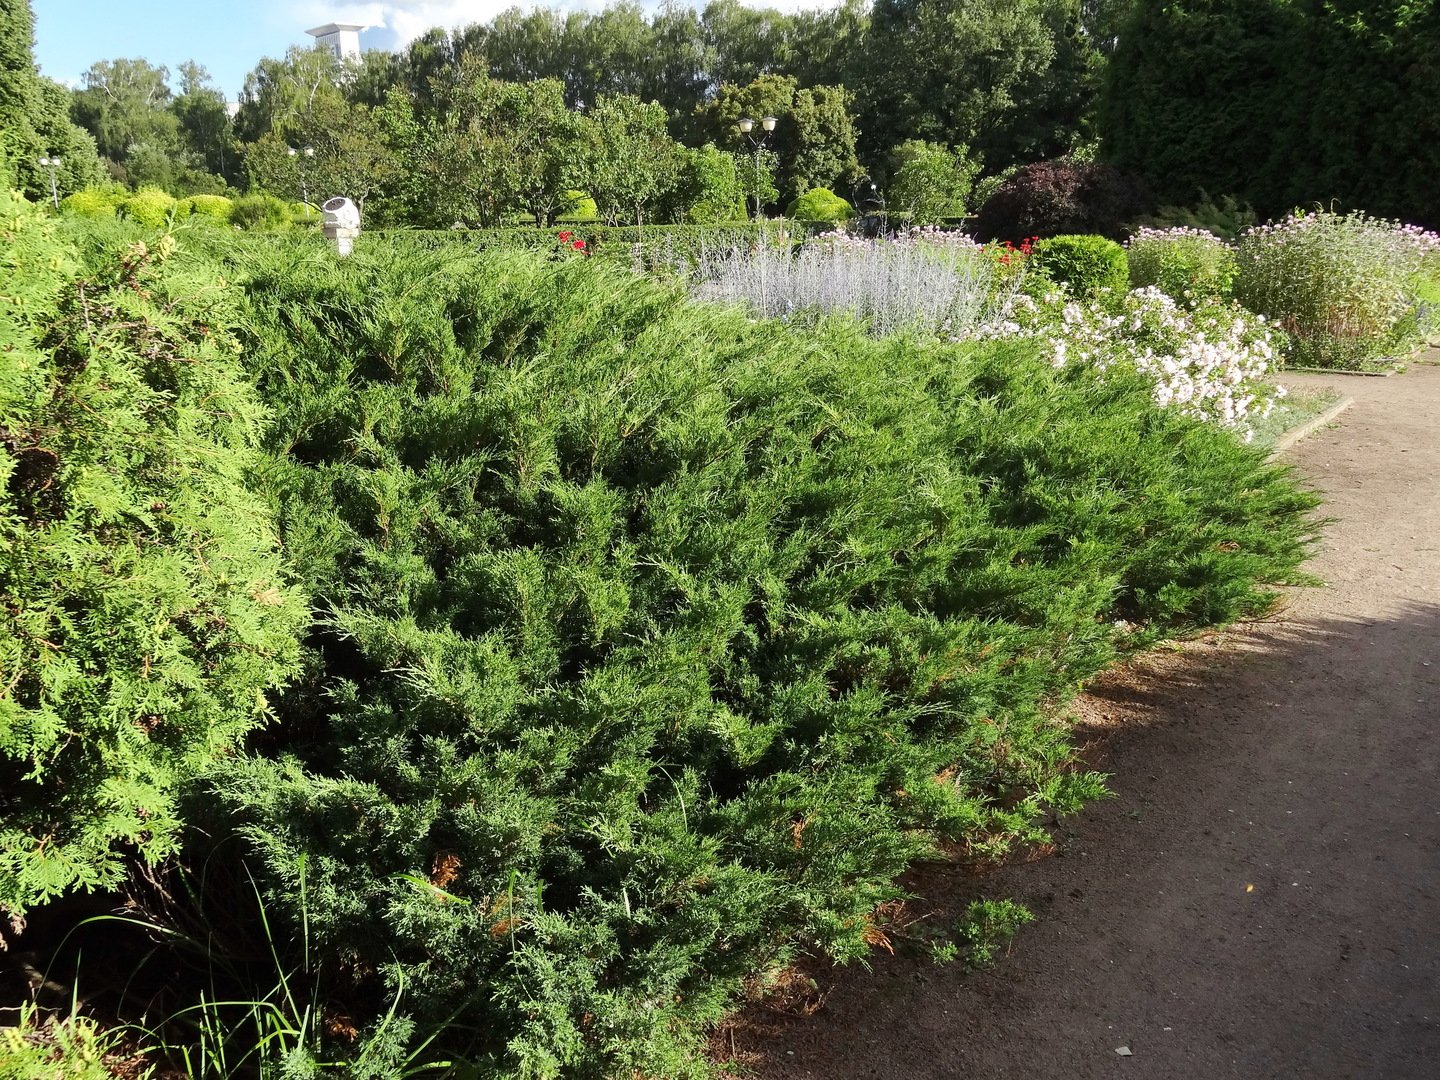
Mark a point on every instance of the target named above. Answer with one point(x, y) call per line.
point(143, 608)
point(654, 643)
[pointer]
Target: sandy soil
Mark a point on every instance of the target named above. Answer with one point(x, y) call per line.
point(1262, 896)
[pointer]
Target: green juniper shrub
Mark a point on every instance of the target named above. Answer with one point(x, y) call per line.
point(653, 643)
point(1184, 264)
point(144, 611)
point(260, 211)
point(1052, 198)
point(150, 207)
point(1086, 266)
point(820, 205)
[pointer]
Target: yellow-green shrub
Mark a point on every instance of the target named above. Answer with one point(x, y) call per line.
point(150, 207)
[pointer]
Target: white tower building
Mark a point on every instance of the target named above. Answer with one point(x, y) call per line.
point(343, 39)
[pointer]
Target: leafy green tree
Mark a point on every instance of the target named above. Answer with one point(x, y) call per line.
point(334, 148)
point(125, 103)
point(630, 161)
point(279, 93)
point(205, 129)
point(1279, 102)
point(710, 186)
point(930, 182)
point(34, 115)
point(814, 139)
point(954, 72)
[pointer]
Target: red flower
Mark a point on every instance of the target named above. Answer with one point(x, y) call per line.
point(579, 245)
point(565, 236)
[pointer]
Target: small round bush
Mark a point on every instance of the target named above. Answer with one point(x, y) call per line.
point(820, 205)
point(93, 203)
point(1182, 263)
point(1054, 198)
point(260, 211)
point(577, 206)
point(150, 207)
point(216, 207)
point(1086, 266)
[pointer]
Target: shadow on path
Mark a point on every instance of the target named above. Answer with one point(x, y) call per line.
point(1297, 757)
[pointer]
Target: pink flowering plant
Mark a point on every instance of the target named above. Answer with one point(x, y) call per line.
point(1185, 264)
point(1344, 286)
point(1211, 360)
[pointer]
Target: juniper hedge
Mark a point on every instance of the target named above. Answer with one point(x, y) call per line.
point(652, 643)
point(144, 611)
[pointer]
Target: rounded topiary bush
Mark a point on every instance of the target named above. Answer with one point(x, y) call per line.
point(150, 207)
point(214, 207)
point(93, 202)
point(260, 211)
point(820, 206)
point(656, 642)
point(1051, 198)
point(1086, 266)
point(144, 611)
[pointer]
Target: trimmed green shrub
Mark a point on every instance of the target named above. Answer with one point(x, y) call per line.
point(655, 642)
point(1182, 263)
point(93, 202)
point(709, 188)
point(143, 609)
point(260, 211)
point(150, 207)
point(217, 207)
point(1054, 198)
point(1087, 266)
point(820, 205)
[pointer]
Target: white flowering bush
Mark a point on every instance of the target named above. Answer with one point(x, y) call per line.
point(1210, 360)
point(927, 280)
point(1341, 285)
point(1183, 263)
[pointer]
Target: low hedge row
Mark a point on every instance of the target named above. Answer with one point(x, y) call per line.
point(651, 645)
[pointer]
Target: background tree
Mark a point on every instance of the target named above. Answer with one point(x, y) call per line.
point(930, 182)
point(630, 161)
point(34, 114)
point(814, 140)
point(953, 72)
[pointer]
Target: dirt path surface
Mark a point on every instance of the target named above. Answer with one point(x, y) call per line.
point(1298, 756)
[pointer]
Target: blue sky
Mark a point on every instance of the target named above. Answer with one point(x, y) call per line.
point(228, 38)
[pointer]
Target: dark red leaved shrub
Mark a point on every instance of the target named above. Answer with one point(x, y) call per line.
point(1051, 198)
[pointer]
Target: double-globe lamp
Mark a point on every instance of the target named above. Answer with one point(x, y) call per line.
point(746, 126)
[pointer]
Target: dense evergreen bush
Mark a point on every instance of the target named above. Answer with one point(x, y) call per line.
point(216, 207)
point(820, 205)
point(1281, 103)
point(150, 207)
point(94, 202)
point(1085, 265)
point(1049, 198)
point(143, 609)
point(260, 211)
point(653, 643)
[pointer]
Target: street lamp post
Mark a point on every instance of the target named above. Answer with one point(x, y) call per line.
point(303, 155)
point(747, 126)
point(52, 163)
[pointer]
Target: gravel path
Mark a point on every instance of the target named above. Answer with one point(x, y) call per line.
point(1262, 896)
